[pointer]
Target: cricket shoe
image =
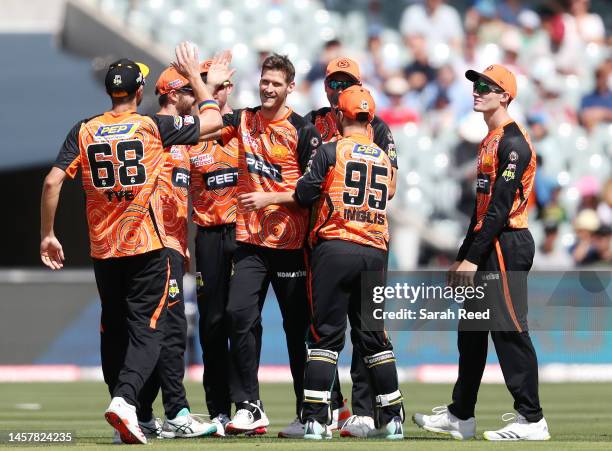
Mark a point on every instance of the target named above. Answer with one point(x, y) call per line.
point(340, 416)
point(313, 430)
point(122, 416)
point(249, 419)
point(357, 426)
point(151, 429)
point(187, 425)
point(393, 430)
point(220, 421)
point(444, 422)
point(519, 429)
point(294, 430)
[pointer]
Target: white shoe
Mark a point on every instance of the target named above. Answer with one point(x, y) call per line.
point(519, 429)
point(249, 418)
point(313, 430)
point(122, 416)
point(357, 426)
point(220, 421)
point(340, 416)
point(444, 422)
point(151, 428)
point(294, 430)
point(393, 430)
point(187, 425)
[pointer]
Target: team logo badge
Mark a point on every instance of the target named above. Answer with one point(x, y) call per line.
point(173, 289)
point(513, 156)
point(343, 63)
point(364, 105)
point(279, 151)
point(199, 280)
point(178, 122)
point(314, 142)
point(117, 80)
point(509, 172)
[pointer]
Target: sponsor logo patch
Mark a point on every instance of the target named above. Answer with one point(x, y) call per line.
point(116, 131)
point(257, 165)
point(368, 152)
point(175, 83)
point(188, 120)
point(290, 274)
point(173, 289)
point(199, 280)
point(180, 177)
point(178, 122)
point(221, 178)
point(483, 184)
point(202, 160)
point(509, 172)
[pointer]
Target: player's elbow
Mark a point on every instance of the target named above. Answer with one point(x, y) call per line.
point(54, 179)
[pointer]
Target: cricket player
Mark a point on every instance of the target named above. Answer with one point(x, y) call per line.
point(342, 73)
point(274, 147)
point(349, 181)
point(214, 180)
point(499, 243)
point(121, 154)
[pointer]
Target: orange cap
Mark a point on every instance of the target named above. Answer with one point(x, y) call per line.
point(170, 80)
point(497, 74)
point(354, 100)
point(345, 65)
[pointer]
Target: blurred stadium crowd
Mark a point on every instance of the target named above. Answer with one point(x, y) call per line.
point(559, 50)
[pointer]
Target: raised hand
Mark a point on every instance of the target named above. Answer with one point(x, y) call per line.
point(187, 60)
point(219, 70)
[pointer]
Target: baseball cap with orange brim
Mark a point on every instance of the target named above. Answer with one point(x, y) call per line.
point(498, 75)
point(345, 66)
point(124, 77)
point(355, 100)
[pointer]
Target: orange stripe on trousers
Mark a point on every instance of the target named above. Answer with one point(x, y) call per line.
point(507, 297)
point(160, 306)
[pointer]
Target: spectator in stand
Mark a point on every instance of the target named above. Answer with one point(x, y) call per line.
point(447, 88)
point(397, 113)
point(534, 39)
point(584, 250)
point(331, 50)
point(419, 72)
point(604, 209)
point(602, 243)
point(438, 21)
point(512, 45)
point(596, 108)
point(548, 256)
point(374, 68)
point(566, 48)
point(509, 11)
point(588, 26)
point(483, 18)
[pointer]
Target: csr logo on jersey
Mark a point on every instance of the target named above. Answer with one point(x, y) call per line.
point(180, 177)
point(257, 165)
point(221, 178)
point(363, 151)
point(116, 131)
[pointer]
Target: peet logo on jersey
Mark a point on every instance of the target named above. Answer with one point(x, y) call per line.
point(368, 152)
point(257, 165)
point(116, 131)
point(483, 184)
point(180, 177)
point(221, 178)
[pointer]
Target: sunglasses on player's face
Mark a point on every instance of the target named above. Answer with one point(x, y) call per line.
point(186, 90)
point(339, 85)
point(482, 87)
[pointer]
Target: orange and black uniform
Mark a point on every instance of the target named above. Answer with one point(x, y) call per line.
point(348, 184)
point(378, 131)
point(121, 157)
point(214, 180)
point(272, 156)
point(171, 197)
point(500, 243)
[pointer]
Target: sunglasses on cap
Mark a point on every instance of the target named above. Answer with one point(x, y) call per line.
point(482, 87)
point(337, 85)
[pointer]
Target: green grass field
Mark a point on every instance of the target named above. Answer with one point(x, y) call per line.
point(579, 417)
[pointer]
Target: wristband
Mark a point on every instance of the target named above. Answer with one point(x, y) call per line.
point(208, 104)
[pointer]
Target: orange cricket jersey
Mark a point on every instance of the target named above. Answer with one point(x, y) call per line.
point(214, 180)
point(272, 156)
point(350, 179)
point(122, 156)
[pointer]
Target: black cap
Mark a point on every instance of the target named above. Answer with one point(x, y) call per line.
point(124, 77)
